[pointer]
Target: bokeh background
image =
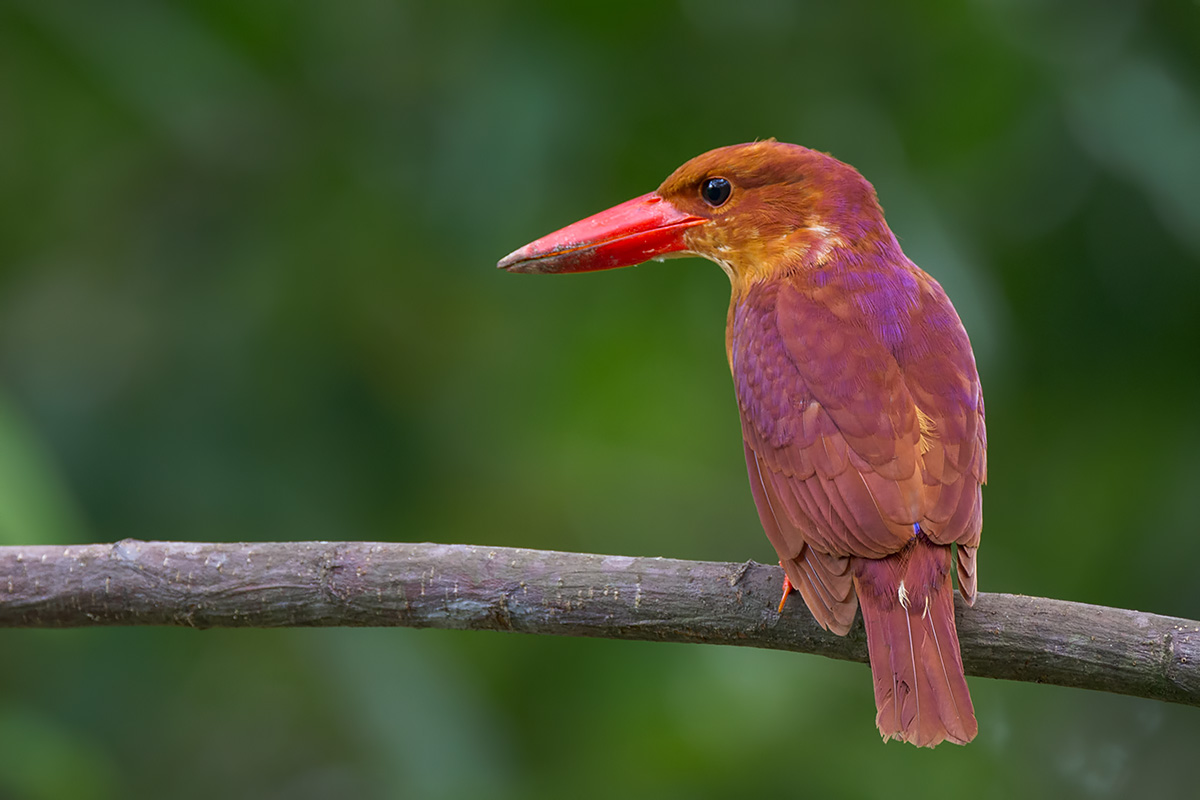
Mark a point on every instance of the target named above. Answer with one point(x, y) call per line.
point(247, 292)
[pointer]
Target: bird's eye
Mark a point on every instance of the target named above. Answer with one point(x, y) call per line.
point(715, 191)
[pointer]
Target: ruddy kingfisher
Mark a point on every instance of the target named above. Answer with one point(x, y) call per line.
point(862, 412)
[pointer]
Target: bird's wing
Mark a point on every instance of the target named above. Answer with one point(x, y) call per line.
point(939, 370)
point(824, 580)
point(832, 441)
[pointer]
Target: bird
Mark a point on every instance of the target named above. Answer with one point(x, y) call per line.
point(861, 407)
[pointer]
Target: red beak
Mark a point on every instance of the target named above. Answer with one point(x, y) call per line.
point(637, 230)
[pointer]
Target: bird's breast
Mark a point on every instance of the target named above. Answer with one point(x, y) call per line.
point(769, 388)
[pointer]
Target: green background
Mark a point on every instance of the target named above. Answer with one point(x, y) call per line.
point(247, 292)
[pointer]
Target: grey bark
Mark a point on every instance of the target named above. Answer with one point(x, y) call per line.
point(570, 594)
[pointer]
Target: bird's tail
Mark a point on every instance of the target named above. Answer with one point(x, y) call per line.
point(908, 607)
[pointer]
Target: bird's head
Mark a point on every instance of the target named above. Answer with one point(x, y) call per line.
point(755, 209)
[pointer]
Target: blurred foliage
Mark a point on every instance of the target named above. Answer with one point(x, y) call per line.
point(247, 292)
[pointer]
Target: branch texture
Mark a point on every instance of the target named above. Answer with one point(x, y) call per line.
point(570, 594)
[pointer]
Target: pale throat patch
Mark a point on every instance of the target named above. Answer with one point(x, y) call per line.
point(812, 243)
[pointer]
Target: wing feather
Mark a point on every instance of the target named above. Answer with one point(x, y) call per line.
point(823, 580)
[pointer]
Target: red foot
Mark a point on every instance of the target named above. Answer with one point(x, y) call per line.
point(787, 589)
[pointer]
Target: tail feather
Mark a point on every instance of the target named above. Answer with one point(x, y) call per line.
point(908, 608)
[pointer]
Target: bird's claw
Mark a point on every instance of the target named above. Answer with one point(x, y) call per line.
point(787, 589)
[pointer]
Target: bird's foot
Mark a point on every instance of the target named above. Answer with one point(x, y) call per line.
point(787, 589)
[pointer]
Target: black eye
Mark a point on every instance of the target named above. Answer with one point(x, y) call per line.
point(715, 191)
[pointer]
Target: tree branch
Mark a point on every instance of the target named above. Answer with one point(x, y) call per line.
point(571, 594)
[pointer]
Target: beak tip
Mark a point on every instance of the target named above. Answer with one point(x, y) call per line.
point(511, 260)
point(530, 259)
